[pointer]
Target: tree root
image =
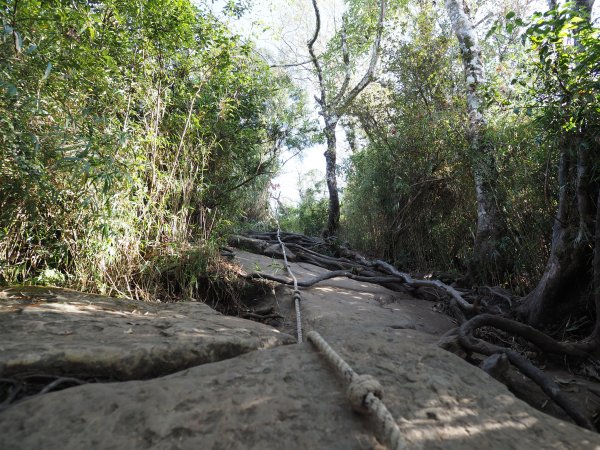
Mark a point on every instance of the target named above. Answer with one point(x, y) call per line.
point(354, 266)
point(27, 387)
point(544, 342)
point(453, 293)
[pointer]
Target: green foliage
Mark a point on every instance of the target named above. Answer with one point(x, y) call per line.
point(126, 130)
point(410, 194)
point(310, 215)
point(406, 186)
point(312, 211)
point(550, 104)
point(50, 277)
point(565, 74)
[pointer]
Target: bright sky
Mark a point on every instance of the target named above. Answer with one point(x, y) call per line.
point(280, 30)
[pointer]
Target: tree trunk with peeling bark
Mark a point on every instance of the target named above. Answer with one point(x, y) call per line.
point(333, 218)
point(574, 260)
point(486, 257)
point(334, 107)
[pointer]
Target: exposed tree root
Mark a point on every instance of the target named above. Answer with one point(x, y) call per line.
point(323, 277)
point(358, 268)
point(544, 342)
point(541, 340)
point(14, 390)
point(453, 293)
point(261, 317)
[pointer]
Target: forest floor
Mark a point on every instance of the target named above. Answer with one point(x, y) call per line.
point(155, 375)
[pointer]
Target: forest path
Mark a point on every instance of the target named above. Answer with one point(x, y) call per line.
point(341, 306)
point(267, 395)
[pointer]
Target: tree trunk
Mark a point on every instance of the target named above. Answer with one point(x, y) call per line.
point(333, 219)
point(566, 269)
point(596, 333)
point(585, 5)
point(571, 267)
point(486, 259)
point(490, 224)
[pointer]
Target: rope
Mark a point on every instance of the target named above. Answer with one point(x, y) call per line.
point(296, 295)
point(364, 392)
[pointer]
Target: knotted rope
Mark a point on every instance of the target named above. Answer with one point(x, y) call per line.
point(364, 392)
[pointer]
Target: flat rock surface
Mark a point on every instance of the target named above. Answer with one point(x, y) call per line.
point(289, 397)
point(59, 331)
point(341, 305)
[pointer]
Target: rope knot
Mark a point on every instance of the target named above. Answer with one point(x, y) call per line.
point(296, 295)
point(360, 387)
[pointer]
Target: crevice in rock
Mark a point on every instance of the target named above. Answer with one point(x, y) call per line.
point(54, 339)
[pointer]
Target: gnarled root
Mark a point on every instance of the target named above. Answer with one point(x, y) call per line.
point(544, 342)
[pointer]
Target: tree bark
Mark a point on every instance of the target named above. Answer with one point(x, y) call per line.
point(569, 272)
point(585, 5)
point(490, 224)
point(596, 332)
point(333, 216)
point(332, 109)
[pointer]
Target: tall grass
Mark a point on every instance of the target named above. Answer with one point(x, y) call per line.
point(128, 145)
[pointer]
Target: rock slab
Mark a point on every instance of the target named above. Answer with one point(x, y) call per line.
point(61, 332)
point(288, 397)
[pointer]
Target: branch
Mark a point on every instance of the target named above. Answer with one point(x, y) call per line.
point(272, 66)
point(346, 59)
point(368, 77)
point(483, 20)
point(246, 181)
point(313, 57)
point(290, 158)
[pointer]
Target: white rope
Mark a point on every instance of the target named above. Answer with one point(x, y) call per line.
point(296, 294)
point(364, 392)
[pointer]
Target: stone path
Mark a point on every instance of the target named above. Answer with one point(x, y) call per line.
point(261, 393)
